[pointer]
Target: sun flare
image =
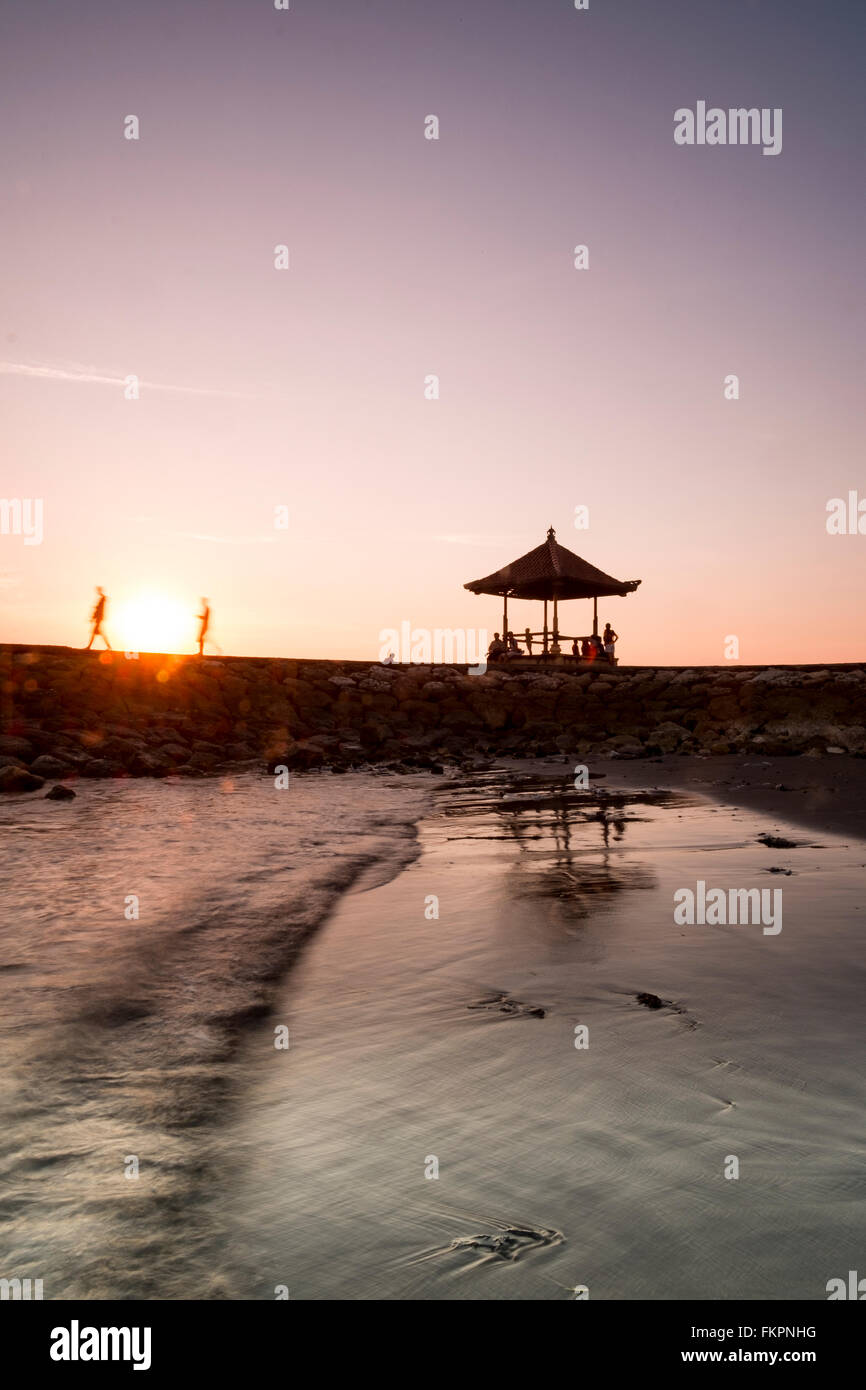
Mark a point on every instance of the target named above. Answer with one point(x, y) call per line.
point(153, 622)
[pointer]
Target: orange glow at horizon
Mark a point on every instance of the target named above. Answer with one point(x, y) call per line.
point(150, 621)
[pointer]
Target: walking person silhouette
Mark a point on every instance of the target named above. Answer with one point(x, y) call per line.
point(96, 618)
point(204, 620)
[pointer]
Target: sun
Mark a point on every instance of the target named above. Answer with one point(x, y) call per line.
point(154, 622)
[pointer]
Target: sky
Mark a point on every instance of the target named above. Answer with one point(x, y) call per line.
point(306, 389)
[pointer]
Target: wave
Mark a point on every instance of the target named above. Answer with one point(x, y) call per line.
point(140, 947)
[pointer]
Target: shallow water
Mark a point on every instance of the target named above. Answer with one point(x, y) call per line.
point(452, 1039)
point(119, 1035)
point(416, 1038)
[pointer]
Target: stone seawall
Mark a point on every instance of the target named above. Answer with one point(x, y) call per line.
point(71, 713)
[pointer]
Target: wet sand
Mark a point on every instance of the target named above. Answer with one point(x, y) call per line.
point(827, 793)
point(417, 1037)
point(423, 1044)
point(119, 1034)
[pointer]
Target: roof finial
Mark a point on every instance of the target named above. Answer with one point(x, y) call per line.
point(551, 534)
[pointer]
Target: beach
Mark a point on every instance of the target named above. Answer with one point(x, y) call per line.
point(392, 1034)
point(146, 927)
point(561, 1169)
point(432, 1038)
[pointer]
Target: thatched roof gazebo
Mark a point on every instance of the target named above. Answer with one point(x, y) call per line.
point(551, 573)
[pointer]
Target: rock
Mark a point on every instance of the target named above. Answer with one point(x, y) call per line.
point(201, 745)
point(99, 767)
point(59, 792)
point(174, 753)
point(48, 766)
point(16, 747)
point(121, 750)
point(18, 779)
point(239, 752)
point(668, 736)
point(771, 676)
point(148, 765)
point(650, 1001)
point(203, 762)
point(106, 719)
point(626, 746)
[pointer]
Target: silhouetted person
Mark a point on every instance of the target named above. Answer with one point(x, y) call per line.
point(610, 640)
point(513, 649)
point(96, 618)
point(585, 649)
point(496, 648)
point(575, 647)
point(204, 620)
point(527, 637)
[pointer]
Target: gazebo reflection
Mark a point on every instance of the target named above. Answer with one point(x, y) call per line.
point(569, 846)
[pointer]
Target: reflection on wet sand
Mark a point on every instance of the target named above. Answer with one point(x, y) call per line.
point(551, 1043)
point(560, 855)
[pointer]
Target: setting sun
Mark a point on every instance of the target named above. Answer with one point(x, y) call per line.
point(153, 622)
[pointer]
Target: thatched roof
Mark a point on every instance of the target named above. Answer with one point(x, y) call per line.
point(550, 571)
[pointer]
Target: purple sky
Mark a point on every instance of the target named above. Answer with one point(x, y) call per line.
point(408, 257)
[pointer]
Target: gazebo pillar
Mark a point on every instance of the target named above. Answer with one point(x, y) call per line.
point(544, 642)
point(505, 616)
point(556, 626)
point(595, 615)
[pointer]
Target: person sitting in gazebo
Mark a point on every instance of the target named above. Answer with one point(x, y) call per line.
point(496, 648)
point(575, 647)
point(513, 649)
